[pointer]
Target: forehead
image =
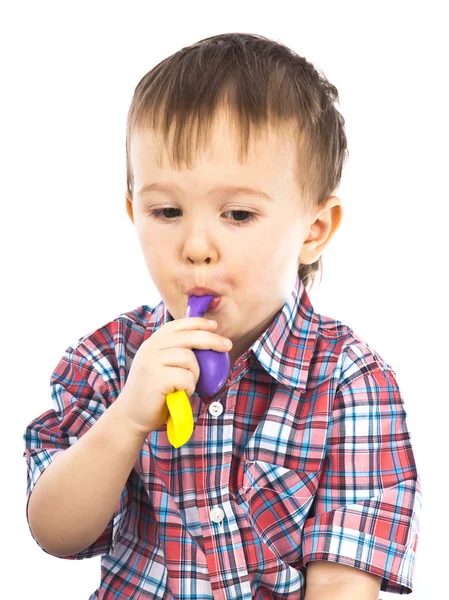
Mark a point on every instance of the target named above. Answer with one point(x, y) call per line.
point(270, 160)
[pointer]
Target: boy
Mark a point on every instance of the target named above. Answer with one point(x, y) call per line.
point(299, 480)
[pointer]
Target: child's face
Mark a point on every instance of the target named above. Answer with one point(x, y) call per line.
point(252, 265)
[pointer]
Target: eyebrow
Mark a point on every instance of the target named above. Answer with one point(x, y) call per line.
point(227, 190)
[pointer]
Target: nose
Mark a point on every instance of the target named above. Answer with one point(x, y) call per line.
point(199, 248)
point(207, 261)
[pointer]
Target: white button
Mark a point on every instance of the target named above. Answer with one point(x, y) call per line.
point(217, 514)
point(215, 409)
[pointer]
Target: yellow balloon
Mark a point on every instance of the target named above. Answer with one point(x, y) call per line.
point(180, 419)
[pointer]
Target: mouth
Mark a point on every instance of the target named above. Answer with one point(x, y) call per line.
point(214, 303)
point(202, 291)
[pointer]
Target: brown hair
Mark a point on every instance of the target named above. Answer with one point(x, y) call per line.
point(263, 83)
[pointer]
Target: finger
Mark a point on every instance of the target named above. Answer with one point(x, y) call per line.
point(192, 323)
point(182, 358)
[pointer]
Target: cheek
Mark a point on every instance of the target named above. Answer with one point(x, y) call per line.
point(155, 254)
point(266, 253)
point(153, 243)
point(257, 263)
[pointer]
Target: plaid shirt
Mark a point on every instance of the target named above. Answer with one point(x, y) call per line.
point(305, 455)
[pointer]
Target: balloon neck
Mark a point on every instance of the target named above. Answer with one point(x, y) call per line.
point(197, 306)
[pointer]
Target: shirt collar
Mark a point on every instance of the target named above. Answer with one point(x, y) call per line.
point(286, 348)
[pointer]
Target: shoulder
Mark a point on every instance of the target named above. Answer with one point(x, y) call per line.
point(106, 353)
point(125, 333)
point(350, 355)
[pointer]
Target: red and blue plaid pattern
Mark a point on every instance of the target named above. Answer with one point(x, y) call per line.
point(311, 459)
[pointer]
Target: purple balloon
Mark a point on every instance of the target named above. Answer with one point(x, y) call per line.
point(214, 366)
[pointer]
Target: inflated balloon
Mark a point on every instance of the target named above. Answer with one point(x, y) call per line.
point(214, 372)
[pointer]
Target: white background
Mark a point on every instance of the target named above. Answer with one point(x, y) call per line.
point(70, 257)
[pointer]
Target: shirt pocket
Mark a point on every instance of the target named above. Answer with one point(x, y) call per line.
point(277, 502)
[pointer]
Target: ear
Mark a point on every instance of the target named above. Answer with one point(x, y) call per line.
point(129, 207)
point(324, 223)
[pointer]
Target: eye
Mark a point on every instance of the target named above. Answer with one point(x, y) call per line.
point(251, 216)
point(158, 213)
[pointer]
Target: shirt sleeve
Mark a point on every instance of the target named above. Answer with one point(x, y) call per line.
point(80, 395)
point(368, 503)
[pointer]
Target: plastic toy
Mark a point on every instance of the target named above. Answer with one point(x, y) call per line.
point(214, 372)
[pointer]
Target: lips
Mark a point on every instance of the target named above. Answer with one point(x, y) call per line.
point(202, 291)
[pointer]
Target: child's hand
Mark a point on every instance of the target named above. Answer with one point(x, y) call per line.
point(164, 363)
